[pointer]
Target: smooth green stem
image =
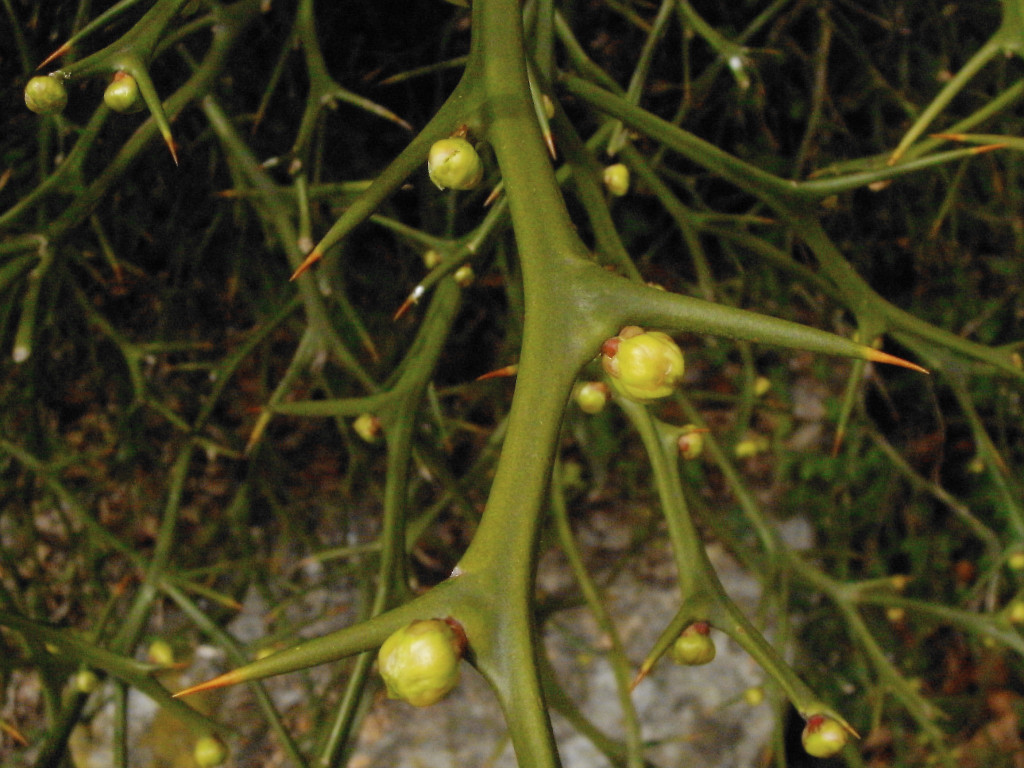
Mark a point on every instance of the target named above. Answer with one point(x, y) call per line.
point(134, 622)
point(617, 658)
point(982, 56)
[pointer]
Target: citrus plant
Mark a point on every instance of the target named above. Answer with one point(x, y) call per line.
point(813, 181)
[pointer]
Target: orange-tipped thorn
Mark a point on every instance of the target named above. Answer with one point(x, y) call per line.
point(837, 443)
point(257, 431)
point(989, 148)
point(172, 147)
point(55, 55)
point(550, 141)
point(877, 356)
point(413, 297)
point(14, 733)
point(508, 370)
point(313, 257)
point(640, 675)
point(495, 193)
point(221, 681)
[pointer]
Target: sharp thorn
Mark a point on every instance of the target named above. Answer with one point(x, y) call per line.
point(55, 55)
point(313, 257)
point(228, 678)
point(508, 370)
point(495, 193)
point(413, 297)
point(877, 356)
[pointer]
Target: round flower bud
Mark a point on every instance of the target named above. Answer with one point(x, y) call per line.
point(899, 581)
point(45, 95)
point(895, 614)
point(823, 736)
point(616, 179)
point(592, 396)
point(754, 695)
point(1016, 561)
point(86, 681)
point(454, 164)
point(751, 446)
point(420, 663)
point(122, 95)
point(1016, 612)
point(761, 386)
point(694, 646)
point(209, 751)
point(643, 365)
point(432, 258)
point(464, 275)
point(368, 427)
point(690, 442)
point(160, 653)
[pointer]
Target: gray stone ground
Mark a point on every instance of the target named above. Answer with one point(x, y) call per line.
point(691, 716)
point(695, 715)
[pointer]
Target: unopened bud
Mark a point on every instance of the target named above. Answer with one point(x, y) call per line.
point(45, 95)
point(432, 258)
point(368, 427)
point(160, 653)
point(420, 663)
point(454, 164)
point(616, 179)
point(823, 736)
point(122, 95)
point(754, 695)
point(643, 365)
point(694, 646)
point(690, 442)
point(592, 396)
point(751, 446)
point(209, 752)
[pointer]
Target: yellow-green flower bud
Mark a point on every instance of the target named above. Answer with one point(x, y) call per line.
point(616, 179)
point(691, 442)
point(754, 696)
point(823, 736)
point(45, 95)
point(643, 365)
point(895, 614)
point(464, 275)
point(209, 752)
point(454, 164)
point(420, 663)
point(592, 396)
point(122, 95)
point(761, 386)
point(694, 646)
point(751, 446)
point(368, 427)
point(1016, 612)
point(1016, 561)
point(160, 653)
point(432, 258)
point(86, 681)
